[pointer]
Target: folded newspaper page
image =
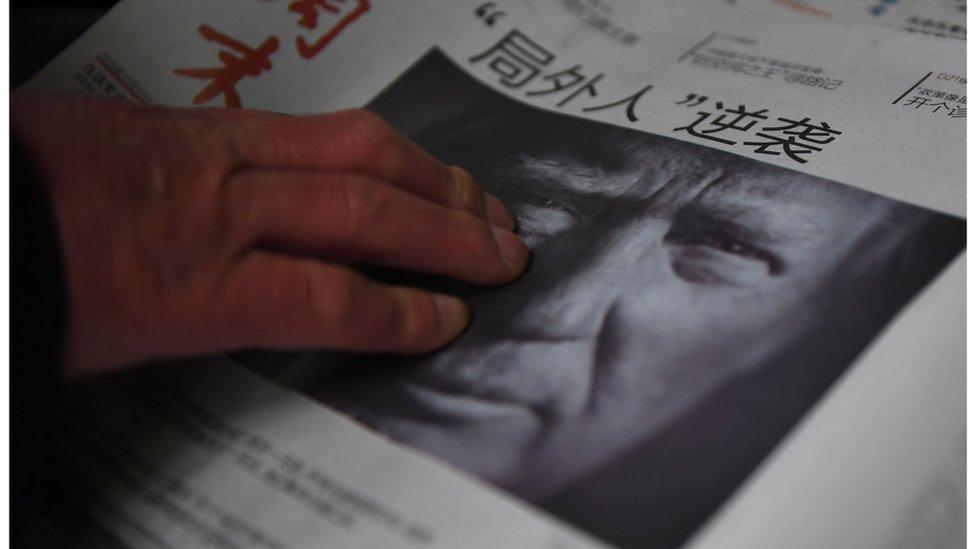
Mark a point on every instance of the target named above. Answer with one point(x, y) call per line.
point(742, 325)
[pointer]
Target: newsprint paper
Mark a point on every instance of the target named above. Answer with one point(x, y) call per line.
point(742, 325)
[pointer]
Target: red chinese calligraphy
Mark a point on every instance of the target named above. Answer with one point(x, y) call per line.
point(251, 62)
point(308, 9)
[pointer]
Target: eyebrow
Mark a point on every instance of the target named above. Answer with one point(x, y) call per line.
point(772, 214)
point(695, 220)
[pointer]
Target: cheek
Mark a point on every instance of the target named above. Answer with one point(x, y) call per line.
point(680, 333)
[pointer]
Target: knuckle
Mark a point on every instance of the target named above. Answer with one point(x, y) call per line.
point(379, 142)
point(362, 204)
point(364, 118)
point(415, 319)
point(244, 209)
point(330, 298)
point(372, 130)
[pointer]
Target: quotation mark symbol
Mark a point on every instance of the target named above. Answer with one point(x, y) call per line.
point(489, 13)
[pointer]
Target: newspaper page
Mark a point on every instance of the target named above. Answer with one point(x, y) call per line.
point(736, 217)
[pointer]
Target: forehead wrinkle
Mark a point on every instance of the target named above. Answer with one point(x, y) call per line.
point(642, 164)
point(799, 208)
point(667, 174)
point(778, 221)
point(758, 206)
point(570, 174)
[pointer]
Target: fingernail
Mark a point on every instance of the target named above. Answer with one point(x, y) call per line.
point(452, 313)
point(514, 252)
point(468, 195)
point(498, 214)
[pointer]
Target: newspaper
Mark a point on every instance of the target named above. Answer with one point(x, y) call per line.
point(741, 327)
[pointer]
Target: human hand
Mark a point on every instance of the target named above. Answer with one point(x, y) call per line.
point(186, 232)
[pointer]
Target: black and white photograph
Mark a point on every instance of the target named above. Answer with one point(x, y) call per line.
point(683, 309)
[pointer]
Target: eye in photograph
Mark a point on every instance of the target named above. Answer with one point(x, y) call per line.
point(708, 250)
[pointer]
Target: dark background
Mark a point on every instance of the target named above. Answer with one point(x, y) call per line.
point(41, 30)
point(38, 32)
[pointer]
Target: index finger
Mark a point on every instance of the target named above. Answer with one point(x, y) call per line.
point(360, 141)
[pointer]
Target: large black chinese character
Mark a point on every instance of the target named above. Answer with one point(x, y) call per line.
point(567, 79)
point(802, 138)
point(515, 58)
point(740, 120)
point(630, 101)
point(917, 101)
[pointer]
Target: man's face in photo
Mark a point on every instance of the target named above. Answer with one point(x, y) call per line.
point(659, 270)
